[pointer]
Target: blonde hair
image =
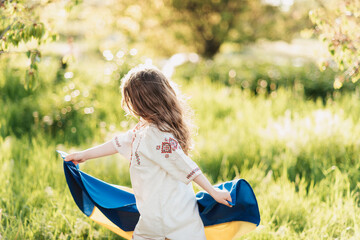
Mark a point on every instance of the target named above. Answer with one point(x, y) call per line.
point(148, 94)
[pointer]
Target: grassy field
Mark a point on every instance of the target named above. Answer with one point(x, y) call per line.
point(300, 156)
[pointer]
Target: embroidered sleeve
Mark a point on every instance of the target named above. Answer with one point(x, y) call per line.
point(164, 150)
point(122, 143)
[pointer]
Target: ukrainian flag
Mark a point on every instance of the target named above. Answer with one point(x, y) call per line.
point(114, 206)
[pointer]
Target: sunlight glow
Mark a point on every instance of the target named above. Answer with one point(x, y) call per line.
point(68, 75)
point(296, 132)
point(177, 60)
point(89, 110)
point(120, 54)
point(148, 61)
point(108, 55)
point(283, 4)
point(67, 98)
point(133, 51)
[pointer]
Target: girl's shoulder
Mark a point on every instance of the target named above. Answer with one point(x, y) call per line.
point(152, 129)
point(152, 133)
point(158, 142)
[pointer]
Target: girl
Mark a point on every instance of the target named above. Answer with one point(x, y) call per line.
point(160, 169)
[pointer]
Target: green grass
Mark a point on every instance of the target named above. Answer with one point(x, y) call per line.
point(300, 156)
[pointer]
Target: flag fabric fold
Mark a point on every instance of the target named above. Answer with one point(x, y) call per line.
point(114, 206)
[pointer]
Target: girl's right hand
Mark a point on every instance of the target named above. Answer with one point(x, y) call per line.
point(76, 158)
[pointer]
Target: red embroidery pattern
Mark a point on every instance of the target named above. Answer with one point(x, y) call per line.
point(117, 142)
point(138, 126)
point(192, 173)
point(166, 147)
point(173, 143)
point(132, 141)
point(136, 154)
point(137, 158)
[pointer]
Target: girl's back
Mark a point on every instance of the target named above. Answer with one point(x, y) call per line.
point(160, 175)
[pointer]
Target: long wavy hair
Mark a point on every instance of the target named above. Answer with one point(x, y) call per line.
point(148, 94)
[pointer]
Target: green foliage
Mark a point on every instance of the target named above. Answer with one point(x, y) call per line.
point(280, 132)
point(336, 24)
point(17, 26)
point(21, 24)
point(71, 111)
point(263, 77)
point(36, 207)
point(272, 22)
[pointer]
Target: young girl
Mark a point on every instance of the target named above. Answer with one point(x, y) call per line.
point(160, 169)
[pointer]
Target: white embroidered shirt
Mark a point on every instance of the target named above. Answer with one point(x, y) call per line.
point(160, 174)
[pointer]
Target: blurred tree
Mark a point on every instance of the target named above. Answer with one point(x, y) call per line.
point(20, 23)
point(213, 22)
point(209, 21)
point(173, 26)
point(337, 24)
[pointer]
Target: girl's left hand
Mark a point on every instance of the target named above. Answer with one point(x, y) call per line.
point(76, 158)
point(222, 196)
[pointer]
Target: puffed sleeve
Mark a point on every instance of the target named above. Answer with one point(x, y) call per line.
point(122, 143)
point(163, 149)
